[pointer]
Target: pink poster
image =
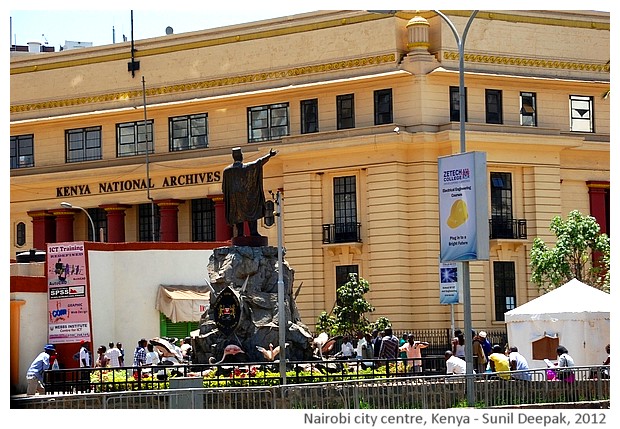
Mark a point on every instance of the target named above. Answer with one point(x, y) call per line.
point(68, 309)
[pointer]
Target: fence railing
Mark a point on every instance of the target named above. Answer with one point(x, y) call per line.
point(409, 392)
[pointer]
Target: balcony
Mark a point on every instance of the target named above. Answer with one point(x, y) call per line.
point(500, 228)
point(342, 233)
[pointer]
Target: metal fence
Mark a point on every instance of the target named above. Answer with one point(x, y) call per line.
point(587, 384)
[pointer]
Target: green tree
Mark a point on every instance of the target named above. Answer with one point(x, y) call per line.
point(580, 252)
point(349, 313)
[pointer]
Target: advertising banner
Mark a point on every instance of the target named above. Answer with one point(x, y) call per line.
point(67, 298)
point(463, 207)
point(449, 283)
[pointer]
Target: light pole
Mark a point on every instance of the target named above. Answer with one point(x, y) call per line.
point(281, 307)
point(92, 224)
point(460, 42)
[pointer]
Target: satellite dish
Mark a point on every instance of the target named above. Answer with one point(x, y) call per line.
point(169, 30)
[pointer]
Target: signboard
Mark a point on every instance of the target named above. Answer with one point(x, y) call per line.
point(463, 207)
point(67, 294)
point(450, 283)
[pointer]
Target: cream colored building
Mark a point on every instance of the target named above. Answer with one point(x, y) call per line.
point(327, 90)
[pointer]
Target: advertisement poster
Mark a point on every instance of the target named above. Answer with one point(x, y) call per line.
point(449, 283)
point(463, 207)
point(67, 299)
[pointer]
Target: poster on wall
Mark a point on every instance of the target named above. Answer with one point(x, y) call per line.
point(449, 283)
point(463, 207)
point(67, 294)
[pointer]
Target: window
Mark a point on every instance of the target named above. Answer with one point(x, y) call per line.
point(501, 205)
point(131, 138)
point(203, 220)
point(20, 234)
point(22, 151)
point(383, 107)
point(83, 144)
point(455, 103)
point(342, 275)
point(581, 114)
point(345, 209)
point(268, 122)
point(309, 116)
point(100, 219)
point(504, 285)
point(188, 132)
point(494, 106)
point(345, 112)
point(168, 329)
point(528, 109)
point(146, 220)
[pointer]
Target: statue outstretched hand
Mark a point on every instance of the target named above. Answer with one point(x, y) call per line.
point(272, 152)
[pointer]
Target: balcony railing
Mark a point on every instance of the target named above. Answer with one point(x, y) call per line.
point(507, 228)
point(342, 233)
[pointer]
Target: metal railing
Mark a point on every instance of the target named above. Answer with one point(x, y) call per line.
point(342, 233)
point(588, 384)
point(507, 228)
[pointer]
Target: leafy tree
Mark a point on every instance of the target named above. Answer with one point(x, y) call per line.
point(349, 313)
point(381, 323)
point(580, 252)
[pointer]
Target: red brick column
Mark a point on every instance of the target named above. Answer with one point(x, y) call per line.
point(64, 224)
point(223, 231)
point(43, 229)
point(168, 215)
point(115, 216)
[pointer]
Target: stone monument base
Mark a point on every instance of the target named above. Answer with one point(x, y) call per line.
point(250, 241)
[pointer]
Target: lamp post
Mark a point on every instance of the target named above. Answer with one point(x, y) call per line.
point(92, 224)
point(460, 42)
point(281, 307)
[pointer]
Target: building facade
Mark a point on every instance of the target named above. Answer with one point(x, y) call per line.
point(359, 106)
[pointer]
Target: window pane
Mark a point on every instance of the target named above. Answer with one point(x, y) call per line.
point(581, 114)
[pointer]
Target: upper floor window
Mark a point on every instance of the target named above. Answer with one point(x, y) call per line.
point(504, 285)
point(188, 132)
point(345, 209)
point(268, 122)
point(455, 102)
point(493, 104)
point(501, 205)
point(528, 109)
point(100, 221)
point(581, 113)
point(345, 112)
point(309, 116)
point(203, 220)
point(131, 138)
point(148, 222)
point(383, 107)
point(83, 144)
point(22, 151)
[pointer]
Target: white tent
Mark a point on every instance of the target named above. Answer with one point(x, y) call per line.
point(576, 313)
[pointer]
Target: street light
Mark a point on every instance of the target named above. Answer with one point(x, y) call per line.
point(92, 224)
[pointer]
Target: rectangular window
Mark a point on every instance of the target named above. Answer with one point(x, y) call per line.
point(342, 275)
point(309, 116)
point(528, 109)
point(345, 209)
point(20, 234)
point(22, 151)
point(504, 287)
point(493, 106)
point(146, 220)
point(268, 122)
point(131, 138)
point(383, 107)
point(581, 114)
point(203, 220)
point(83, 144)
point(188, 132)
point(345, 112)
point(100, 220)
point(455, 103)
point(501, 205)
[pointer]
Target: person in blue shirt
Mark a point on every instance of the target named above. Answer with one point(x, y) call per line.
point(34, 376)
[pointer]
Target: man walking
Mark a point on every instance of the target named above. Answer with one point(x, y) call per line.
point(34, 376)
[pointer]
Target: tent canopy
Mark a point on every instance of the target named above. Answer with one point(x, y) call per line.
point(182, 303)
point(574, 300)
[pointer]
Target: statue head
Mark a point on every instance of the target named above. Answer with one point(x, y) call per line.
point(237, 154)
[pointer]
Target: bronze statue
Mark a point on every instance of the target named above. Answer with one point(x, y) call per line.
point(244, 197)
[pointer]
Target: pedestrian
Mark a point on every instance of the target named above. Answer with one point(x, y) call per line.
point(152, 357)
point(376, 342)
point(102, 359)
point(114, 355)
point(480, 358)
point(84, 354)
point(34, 375)
point(486, 344)
point(519, 363)
point(499, 362)
point(413, 352)
point(365, 351)
point(401, 342)
point(564, 364)
point(346, 349)
point(139, 355)
point(458, 344)
point(389, 345)
point(454, 365)
point(121, 360)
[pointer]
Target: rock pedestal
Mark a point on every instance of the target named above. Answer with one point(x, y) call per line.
point(244, 307)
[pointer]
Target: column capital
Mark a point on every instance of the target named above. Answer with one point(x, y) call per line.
point(170, 202)
point(63, 212)
point(114, 207)
point(39, 213)
point(218, 198)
